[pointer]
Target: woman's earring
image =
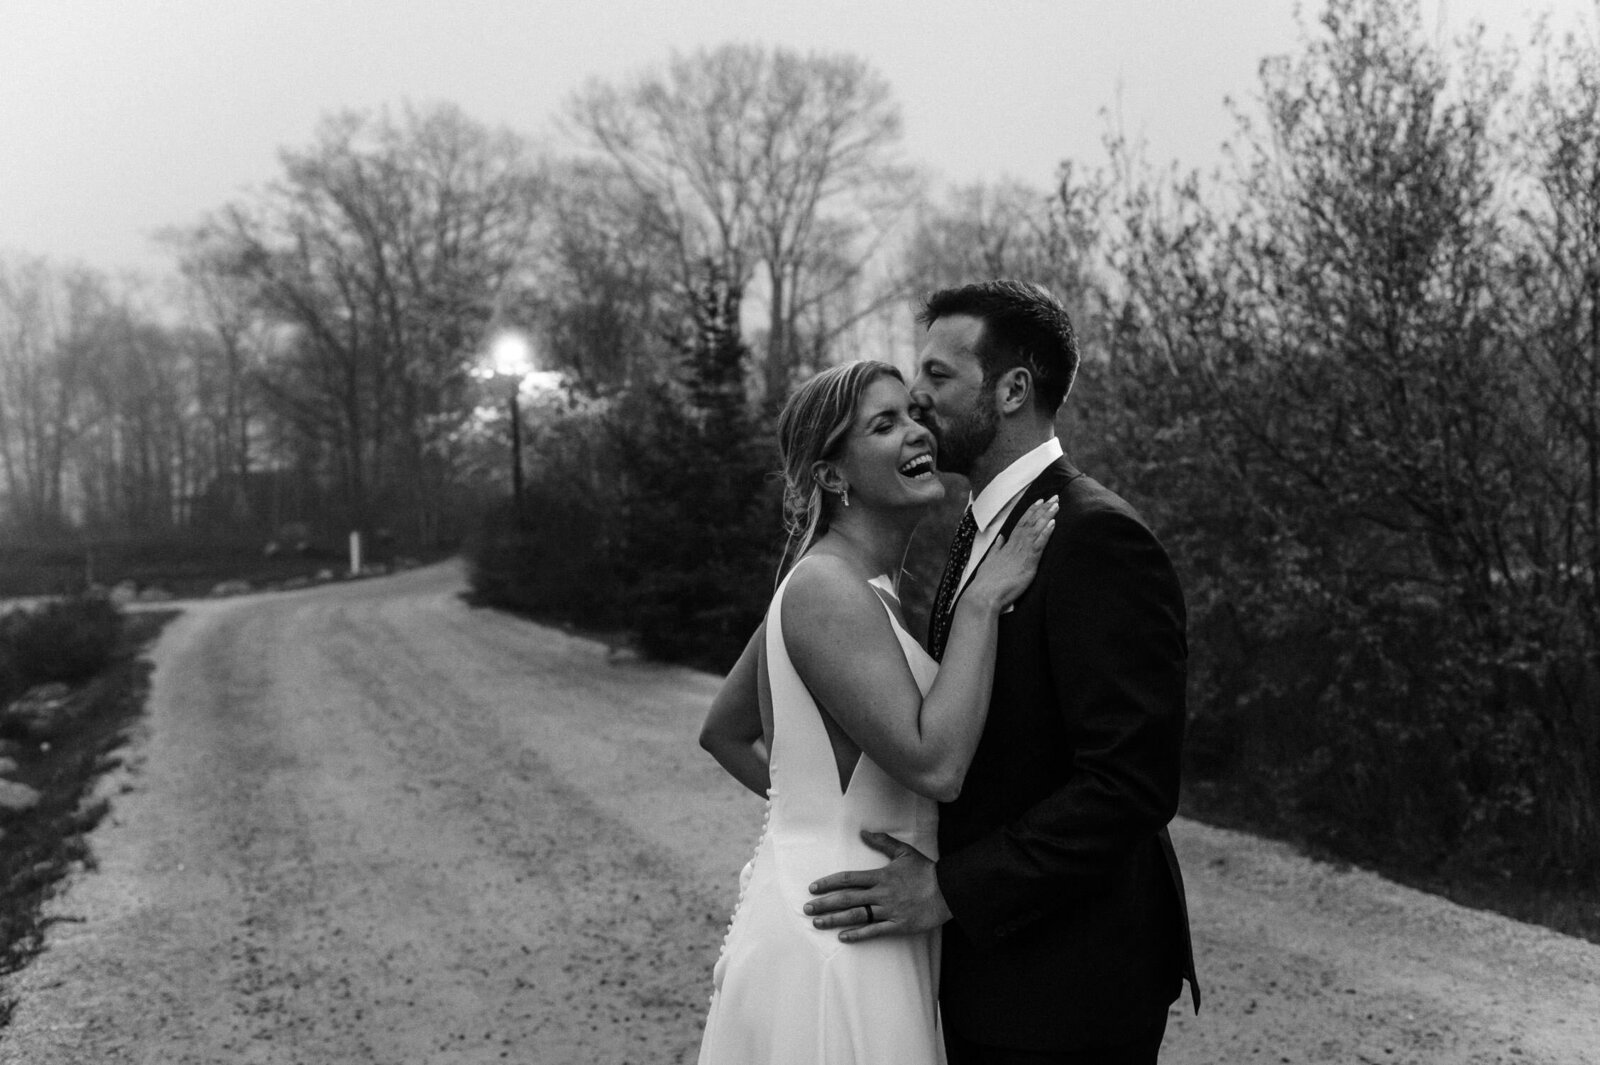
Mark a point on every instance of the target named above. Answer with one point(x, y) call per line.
point(844, 495)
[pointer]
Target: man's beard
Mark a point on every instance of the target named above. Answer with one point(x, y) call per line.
point(964, 439)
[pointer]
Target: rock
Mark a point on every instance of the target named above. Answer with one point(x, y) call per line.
point(7, 765)
point(40, 711)
point(230, 588)
point(124, 593)
point(53, 692)
point(325, 575)
point(16, 798)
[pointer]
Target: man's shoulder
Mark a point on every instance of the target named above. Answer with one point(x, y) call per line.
point(1081, 493)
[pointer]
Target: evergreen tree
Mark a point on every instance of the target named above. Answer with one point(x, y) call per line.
point(700, 518)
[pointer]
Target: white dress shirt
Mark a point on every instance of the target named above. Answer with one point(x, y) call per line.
point(999, 498)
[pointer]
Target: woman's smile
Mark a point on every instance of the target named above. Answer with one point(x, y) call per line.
point(918, 468)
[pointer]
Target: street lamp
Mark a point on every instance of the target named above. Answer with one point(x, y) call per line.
point(511, 361)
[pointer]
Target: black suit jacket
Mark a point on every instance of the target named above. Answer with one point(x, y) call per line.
point(1070, 925)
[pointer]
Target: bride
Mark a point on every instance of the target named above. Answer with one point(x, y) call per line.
point(839, 717)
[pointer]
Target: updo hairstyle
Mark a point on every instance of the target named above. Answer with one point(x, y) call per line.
point(811, 428)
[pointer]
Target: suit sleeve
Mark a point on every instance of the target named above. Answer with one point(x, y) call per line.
point(1117, 656)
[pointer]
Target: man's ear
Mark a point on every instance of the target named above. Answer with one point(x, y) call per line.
point(1014, 389)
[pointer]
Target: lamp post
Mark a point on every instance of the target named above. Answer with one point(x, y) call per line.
point(516, 452)
point(512, 358)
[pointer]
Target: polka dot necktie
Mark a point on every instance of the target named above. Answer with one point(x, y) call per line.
point(944, 600)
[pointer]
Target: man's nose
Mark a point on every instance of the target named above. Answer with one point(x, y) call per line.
point(921, 402)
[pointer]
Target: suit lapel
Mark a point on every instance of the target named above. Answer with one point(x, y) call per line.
point(1055, 477)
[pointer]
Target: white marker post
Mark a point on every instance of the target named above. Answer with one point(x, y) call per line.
point(355, 554)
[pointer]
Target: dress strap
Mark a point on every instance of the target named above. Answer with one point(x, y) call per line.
point(882, 586)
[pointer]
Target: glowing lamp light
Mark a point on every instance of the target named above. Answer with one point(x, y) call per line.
point(511, 353)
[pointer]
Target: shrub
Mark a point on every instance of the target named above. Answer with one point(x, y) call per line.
point(554, 562)
point(11, 682)
point(67, 640)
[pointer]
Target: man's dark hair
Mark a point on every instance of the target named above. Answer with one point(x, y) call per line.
point(1024, 325)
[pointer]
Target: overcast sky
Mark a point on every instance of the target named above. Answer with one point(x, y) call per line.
point(119, 117)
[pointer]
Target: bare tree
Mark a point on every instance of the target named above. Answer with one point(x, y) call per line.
point(1011, 229)
point(226, 342)
point(767, 164)
point(100, 422)
point(1555, 297)
point(42, 367)
point(603, 289)
point(135, 454)
point(384, 254)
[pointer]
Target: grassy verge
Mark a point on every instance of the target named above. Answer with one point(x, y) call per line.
point(39, 847)
point(1569, 908)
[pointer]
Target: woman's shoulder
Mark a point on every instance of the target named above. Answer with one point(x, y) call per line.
point(827, 587)
point(822, 574)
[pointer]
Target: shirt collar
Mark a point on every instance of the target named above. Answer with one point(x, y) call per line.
point(989, 503)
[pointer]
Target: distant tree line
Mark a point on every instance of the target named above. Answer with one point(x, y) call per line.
point(312, 367)
point(316, 366)
point(1353, 379)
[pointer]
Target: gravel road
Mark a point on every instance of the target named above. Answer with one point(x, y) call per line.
point(367, 823)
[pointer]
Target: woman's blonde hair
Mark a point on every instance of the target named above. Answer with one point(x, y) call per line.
point(812, 426)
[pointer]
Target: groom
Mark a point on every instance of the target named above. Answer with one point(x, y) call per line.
point(1067, 934)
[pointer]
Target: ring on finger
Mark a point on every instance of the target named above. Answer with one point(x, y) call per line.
point(870, 918)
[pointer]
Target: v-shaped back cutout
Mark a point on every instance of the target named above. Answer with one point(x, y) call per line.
point(846, 753)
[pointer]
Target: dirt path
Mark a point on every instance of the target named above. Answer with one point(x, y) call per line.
point(366, 823)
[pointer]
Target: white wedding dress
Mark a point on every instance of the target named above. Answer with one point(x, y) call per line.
point(785, 993)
